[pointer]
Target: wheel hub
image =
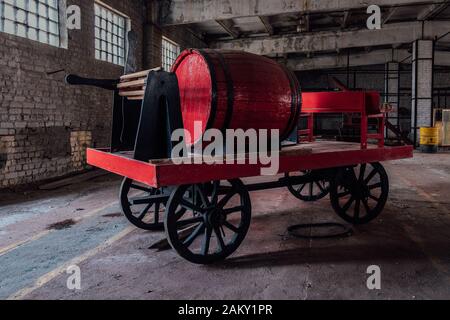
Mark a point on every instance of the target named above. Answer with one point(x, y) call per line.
point(361, 191)
point(216, 218)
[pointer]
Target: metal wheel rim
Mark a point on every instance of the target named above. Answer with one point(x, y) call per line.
point(349, 202)
point(322, 185)
point(204, 225)
point(151, 208)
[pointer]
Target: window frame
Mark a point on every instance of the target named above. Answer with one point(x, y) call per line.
point(61, 24)
point(127, 28)
point(164, 38)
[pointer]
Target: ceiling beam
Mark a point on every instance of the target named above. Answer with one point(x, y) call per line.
point(432, 10)
point(304, 24)
point(195, 11)
point(359, 59)
point(266, 22)
point(228, 26)
point(389, 15)
point(345, 19)
point(391, 34)
point(307, 22)
point(340, 60)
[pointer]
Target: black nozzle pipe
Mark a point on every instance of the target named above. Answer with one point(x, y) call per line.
point(107, 84)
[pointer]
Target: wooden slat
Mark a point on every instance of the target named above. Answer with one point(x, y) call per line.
point(293, 151)
point(133, 85)
point(129, 84)
point(139, 74)
point(136, 93)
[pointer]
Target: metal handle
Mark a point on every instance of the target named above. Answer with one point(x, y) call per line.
point(107, 84)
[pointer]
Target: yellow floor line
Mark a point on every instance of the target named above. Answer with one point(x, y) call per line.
point(21, 294)
point(42, 234)
point(18, 244)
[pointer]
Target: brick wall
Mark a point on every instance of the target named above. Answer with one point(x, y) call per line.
point(79, 141)
point(40, 115)
point(45, 125)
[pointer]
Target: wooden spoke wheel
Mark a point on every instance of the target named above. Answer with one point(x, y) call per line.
point(359, 194)
point(311, 191)
point(207, 223)
point(143, 205)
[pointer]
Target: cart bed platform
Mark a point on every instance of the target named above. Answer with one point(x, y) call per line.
point(312, 156)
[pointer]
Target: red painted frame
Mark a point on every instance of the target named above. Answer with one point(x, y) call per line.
point(366, 103)
point(313, 156)
point(320, 155)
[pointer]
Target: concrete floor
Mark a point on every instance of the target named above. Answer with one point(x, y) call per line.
point(410, 243)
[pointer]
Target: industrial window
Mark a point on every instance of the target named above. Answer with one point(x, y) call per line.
point(170, 52)
point(33, 19)
point(110, 34)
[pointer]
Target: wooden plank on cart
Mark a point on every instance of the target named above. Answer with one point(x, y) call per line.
point(297, 150)
point(319, 155)
point(133, 85)
point(322, 158)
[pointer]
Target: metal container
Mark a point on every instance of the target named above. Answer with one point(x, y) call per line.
point(429, 139)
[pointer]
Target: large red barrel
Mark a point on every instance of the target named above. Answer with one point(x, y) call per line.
point(236, 90)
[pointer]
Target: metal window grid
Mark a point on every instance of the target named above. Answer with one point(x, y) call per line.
point(170, 52)
point(110, 35)
point(33, 19)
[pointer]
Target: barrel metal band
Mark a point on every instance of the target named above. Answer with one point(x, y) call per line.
point(230, 92)
point(295, 108)
point(212, 71)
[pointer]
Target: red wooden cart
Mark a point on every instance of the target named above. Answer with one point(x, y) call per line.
point(206, 219)
point(205, 209)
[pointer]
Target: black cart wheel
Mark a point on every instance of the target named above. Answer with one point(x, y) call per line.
point(315, 190)
point(359, 194)
point(143, 205)
point(207, 223)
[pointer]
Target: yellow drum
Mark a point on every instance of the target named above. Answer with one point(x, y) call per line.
point(429, 139)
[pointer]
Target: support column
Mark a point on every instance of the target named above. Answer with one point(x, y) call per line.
point(422, 86)
point(152, 38)
point(392, 90)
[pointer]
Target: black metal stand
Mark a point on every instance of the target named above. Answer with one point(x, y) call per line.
point(160, 117)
